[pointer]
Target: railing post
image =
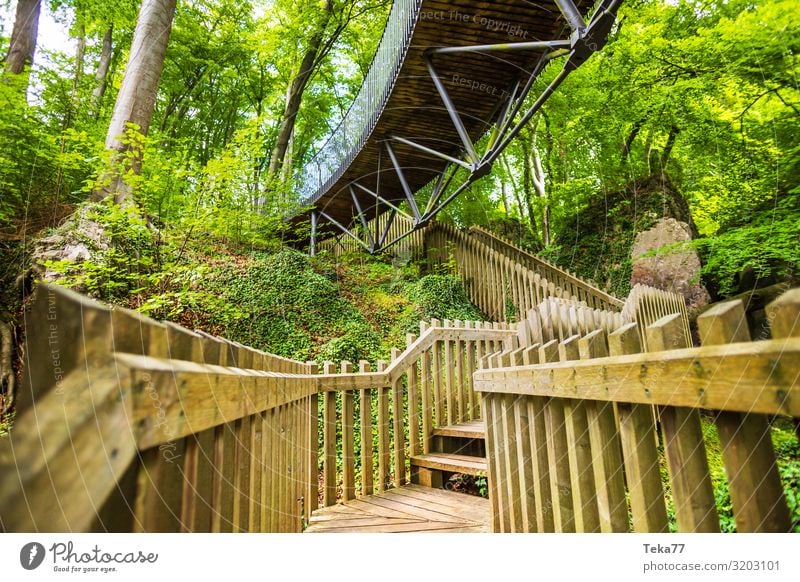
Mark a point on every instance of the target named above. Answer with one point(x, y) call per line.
point(365, 410)
point(383, 433)
point(695, 508)
point(348, 439)
point(398, 425)
point(747, 452)
point(329, 440)
point(312, 446)
point(639, 448)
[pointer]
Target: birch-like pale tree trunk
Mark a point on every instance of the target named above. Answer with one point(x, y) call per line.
point(136, 99)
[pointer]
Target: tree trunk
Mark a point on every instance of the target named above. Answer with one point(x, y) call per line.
point(137, 95)
point(23, 37)
point(673, 135)
point(296, 88)
point(541, 192)
point(101, 75)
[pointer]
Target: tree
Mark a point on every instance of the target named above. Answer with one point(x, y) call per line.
point(330, 24)
point(23, 37)
point(136, 99)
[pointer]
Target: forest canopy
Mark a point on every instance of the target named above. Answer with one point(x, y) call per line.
point(703, 93)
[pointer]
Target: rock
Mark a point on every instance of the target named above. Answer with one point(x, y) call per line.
point(79, 239)
point(675, 270)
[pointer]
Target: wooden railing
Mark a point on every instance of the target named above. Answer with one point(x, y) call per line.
point(572, 443)
point(570, 282)
point(379, 419)
point(128, 424)
point(503, 287)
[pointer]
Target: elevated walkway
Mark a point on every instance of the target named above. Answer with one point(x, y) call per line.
point(446, 93)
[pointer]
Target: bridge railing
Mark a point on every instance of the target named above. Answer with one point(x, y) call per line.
point(379, 418)
point(352, 133)
point(503, 287)
point(573, 444)
point(562, 278)
point(128, 424)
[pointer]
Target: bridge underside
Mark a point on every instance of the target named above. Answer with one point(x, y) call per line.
point(459, 98)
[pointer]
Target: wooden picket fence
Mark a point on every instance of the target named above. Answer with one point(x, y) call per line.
point(503, 284)
point(573, 445)
point(394, 409)
point(573, 285)
point(128, 424)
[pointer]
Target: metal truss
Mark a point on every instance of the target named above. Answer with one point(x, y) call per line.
point(585, 39)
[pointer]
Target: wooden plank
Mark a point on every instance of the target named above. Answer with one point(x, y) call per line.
point(329, 441)
point(312, 493)
point(494, 477)
point(199, 479)
point(256, 472)
point(384, 474)
point(745, 383)
point(266, 471)
point(525, 462)
point(438, 397)
point(427, 403)
point(609, 473)
point(398, 426)
point(648, 508)
point(65, 435)
point(472, 400)
point(348, 440)
point(225, 463)
point(159, 491)
point(514, 470)
point(747, 452)
point(461, 380)
point(451, 462)
point(474, 429)
point(413, 404)
point(241, 513)
point(366, 433)
point(449, 375)
point(692, 493)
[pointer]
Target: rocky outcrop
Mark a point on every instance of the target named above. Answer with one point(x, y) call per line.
point(79, 239)
point(662, 259)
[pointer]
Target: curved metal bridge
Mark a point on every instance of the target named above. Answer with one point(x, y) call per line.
point(447, 91)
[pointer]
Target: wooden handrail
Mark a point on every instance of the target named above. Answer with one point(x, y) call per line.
point(572, 438)
point(149, 426)
point(399, 366)
point(762, 378)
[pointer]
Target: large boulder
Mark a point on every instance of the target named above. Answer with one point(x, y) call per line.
point(661, 261)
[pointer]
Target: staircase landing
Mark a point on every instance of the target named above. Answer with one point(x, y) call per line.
point(408, 509)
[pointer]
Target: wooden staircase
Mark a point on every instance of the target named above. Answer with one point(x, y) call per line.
point(456, 449)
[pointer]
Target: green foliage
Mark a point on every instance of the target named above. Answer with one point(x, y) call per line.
point(294, 311)
point(769, 243)
point(442, 297)
point(122, 249)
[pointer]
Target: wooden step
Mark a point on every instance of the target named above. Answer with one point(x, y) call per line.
point(450, 463)
point(474, 429)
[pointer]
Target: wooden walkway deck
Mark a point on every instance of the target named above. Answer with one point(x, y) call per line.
point(408, 509)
